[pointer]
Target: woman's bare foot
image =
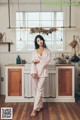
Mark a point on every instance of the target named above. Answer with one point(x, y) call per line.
point(40, 109)
point(34, 112)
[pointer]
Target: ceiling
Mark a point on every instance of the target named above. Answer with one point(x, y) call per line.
point(35, 1)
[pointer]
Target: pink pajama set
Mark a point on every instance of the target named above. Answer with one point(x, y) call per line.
point(41, 70)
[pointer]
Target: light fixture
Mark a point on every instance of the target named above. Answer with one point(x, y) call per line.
point(9, 14)
point(61, 28)
point(19, 19)
point(70, 15)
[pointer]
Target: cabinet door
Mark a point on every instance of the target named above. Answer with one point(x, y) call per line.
point(64, 82)
point(14, 82)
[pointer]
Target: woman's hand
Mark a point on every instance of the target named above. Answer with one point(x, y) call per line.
point(36, 61)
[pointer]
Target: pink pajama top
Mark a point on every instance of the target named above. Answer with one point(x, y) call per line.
point(41, 67)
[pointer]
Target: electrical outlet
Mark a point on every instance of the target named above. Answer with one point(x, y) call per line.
point(2, 78)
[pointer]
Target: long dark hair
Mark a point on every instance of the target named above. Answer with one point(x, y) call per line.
point(41, 38)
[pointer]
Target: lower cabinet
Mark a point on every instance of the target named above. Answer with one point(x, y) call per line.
point(65, 83)
point(14, 82)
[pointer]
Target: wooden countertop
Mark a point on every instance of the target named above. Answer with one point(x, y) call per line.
point(15, 65)
point(64, 65)
point(49, 64)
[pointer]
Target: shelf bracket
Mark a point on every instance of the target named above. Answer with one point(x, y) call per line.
point(8, 47)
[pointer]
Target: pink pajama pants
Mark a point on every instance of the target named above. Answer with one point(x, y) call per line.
point(39, 92)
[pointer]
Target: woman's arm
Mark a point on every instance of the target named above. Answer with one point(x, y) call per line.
point(33, 56)
point(34, 60)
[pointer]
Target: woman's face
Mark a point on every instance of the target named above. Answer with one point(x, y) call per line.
point(39, 42)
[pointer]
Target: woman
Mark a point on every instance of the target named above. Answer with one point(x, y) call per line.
point(40, 59)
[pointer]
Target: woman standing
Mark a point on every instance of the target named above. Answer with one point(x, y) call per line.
point(40, 59)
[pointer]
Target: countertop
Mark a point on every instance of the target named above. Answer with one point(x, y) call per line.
point(30, 64)
point(64, 65)
point(15, 65)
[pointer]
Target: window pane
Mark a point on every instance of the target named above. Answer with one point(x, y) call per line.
point(33, 23)
point(17, 35)
point(53, 16)
point(59, 35)
point(31, 36)
point(47, 38)
point(19, 24)
point(26, 16)
point(45, 16)
point(19, 15)
point(33, 16)
point(59, 23)
point(19, 45)
point(46, 23)
point(59, 16)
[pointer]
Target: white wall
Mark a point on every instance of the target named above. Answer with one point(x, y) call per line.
point(10, 57)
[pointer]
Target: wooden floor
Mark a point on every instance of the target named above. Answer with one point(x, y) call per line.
point(51, 111)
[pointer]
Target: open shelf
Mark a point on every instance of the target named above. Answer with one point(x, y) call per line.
point(9, 43)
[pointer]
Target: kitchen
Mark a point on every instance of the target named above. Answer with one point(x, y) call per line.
point(17, 38)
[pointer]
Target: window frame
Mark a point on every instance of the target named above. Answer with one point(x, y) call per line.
point(52, 41)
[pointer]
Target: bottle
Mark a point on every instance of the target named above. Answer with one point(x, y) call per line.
point(18, 60)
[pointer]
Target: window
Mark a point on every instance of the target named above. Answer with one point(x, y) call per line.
point(25, 40)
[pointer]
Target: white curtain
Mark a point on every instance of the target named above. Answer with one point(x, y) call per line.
point(49, 87)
